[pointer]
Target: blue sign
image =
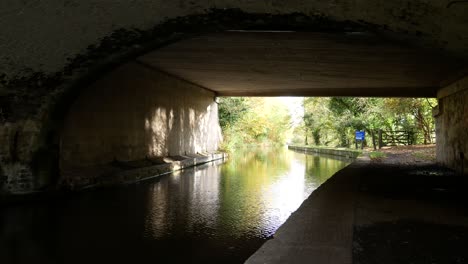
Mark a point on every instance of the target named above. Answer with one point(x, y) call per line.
point(360, 135)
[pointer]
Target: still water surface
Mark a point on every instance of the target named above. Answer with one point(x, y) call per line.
point(214, 213)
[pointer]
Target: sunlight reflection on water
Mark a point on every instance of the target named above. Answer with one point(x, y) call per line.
point(250, 196)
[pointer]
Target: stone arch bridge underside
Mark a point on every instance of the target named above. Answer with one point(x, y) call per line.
point(58, 57)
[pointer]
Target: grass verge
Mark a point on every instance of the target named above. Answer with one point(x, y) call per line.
point(377, 155)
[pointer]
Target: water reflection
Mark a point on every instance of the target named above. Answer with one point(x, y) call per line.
point(249, 196)
point(266, 186)
point(196, 196)
point(214, 213)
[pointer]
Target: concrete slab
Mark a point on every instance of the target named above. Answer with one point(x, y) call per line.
point(253, 63)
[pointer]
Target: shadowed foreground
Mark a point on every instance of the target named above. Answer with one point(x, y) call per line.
point(377, 213)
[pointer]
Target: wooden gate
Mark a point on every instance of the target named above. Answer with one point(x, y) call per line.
point(402, 138)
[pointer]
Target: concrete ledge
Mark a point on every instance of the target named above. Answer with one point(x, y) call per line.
point(119, 172)
point(144, 173)
point(328, 151)
point(81, 181)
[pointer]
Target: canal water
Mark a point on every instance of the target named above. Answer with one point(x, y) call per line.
point(213, 213)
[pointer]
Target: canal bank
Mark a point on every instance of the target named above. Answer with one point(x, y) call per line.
point(371, 212)
point(342, 152)
point(114, 174)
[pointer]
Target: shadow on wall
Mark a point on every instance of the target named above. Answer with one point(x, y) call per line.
point(451, 123)
point(136, 114)
point(180, 130)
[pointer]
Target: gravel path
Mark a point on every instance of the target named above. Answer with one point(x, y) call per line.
point(407, 155)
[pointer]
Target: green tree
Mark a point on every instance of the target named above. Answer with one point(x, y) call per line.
point(413, 114)
point(317, 120)
point(231, 109)
point(339, 117)
point(254, 121)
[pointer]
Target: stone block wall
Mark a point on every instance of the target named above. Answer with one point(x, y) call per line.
point(452, 126)
point(18, 142)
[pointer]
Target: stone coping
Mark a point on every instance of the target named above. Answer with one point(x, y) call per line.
point(328, 151)
point(136, 174)
point(145, 173)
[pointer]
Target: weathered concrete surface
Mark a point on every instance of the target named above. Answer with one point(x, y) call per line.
point(42, 34)
point(452, 126)
point(364, 197)
point(137, 113)
point(245, 63)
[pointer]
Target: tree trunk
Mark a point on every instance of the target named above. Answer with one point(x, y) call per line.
point(380, 139)
point(373, 139)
